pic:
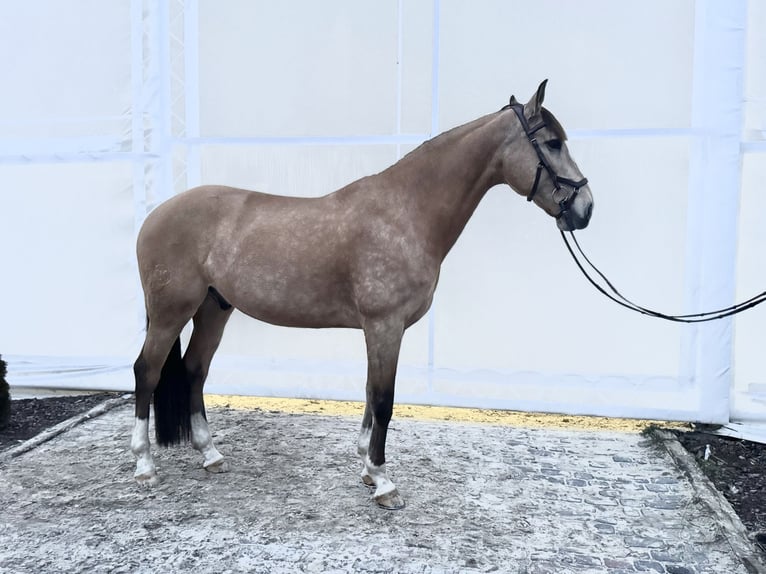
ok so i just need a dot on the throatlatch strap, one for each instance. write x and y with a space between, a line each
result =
537 181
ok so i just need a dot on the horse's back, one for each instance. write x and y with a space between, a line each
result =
200 215
199 205
254 248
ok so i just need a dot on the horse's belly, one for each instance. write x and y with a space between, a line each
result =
301 305
311 318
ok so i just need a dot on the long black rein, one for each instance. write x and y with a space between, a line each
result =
620 299
610 291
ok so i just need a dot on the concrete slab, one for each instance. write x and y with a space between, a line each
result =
480 498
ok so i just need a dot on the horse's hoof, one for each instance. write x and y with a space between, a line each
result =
147 479
217 467
390 500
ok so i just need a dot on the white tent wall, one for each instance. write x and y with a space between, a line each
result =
67 192
119 105
749 390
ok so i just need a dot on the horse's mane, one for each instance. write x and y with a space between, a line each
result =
550 121
449 135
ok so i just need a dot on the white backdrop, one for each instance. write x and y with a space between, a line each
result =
116 106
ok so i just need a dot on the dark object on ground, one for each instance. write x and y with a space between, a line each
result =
737 468
5 396
32 416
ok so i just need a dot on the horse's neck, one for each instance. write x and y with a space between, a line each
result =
442 182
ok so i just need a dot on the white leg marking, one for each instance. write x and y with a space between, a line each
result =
146 472
379 478
364 442
386 494
363 445
203 442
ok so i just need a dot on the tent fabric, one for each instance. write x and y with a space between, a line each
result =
301 98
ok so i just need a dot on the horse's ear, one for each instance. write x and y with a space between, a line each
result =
536 102
513 101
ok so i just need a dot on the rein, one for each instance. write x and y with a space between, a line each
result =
620 299
610 291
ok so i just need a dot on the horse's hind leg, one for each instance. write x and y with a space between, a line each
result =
209 323
383 343
161 346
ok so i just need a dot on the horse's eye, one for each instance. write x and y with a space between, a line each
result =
554 144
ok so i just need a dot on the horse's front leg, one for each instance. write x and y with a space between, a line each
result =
383 343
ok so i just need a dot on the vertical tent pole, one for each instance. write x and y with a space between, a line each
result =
714 185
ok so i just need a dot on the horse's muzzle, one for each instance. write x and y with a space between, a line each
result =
577 216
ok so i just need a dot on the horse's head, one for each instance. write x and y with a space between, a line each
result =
537 164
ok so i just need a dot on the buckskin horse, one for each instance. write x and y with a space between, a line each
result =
366 256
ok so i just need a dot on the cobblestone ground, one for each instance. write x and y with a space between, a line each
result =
480 498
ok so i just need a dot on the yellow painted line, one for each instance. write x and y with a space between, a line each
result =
466 415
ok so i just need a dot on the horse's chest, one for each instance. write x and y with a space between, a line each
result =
395 286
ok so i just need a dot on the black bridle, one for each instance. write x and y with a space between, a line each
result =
609 290
558 182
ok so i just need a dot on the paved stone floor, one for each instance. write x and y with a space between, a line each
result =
480 498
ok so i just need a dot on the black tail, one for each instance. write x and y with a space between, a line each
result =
172 401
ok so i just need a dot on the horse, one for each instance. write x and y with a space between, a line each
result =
366 256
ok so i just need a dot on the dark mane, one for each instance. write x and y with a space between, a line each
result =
553 124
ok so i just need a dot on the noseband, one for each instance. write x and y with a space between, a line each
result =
558 181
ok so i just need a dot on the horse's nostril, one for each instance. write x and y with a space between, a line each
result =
588 211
